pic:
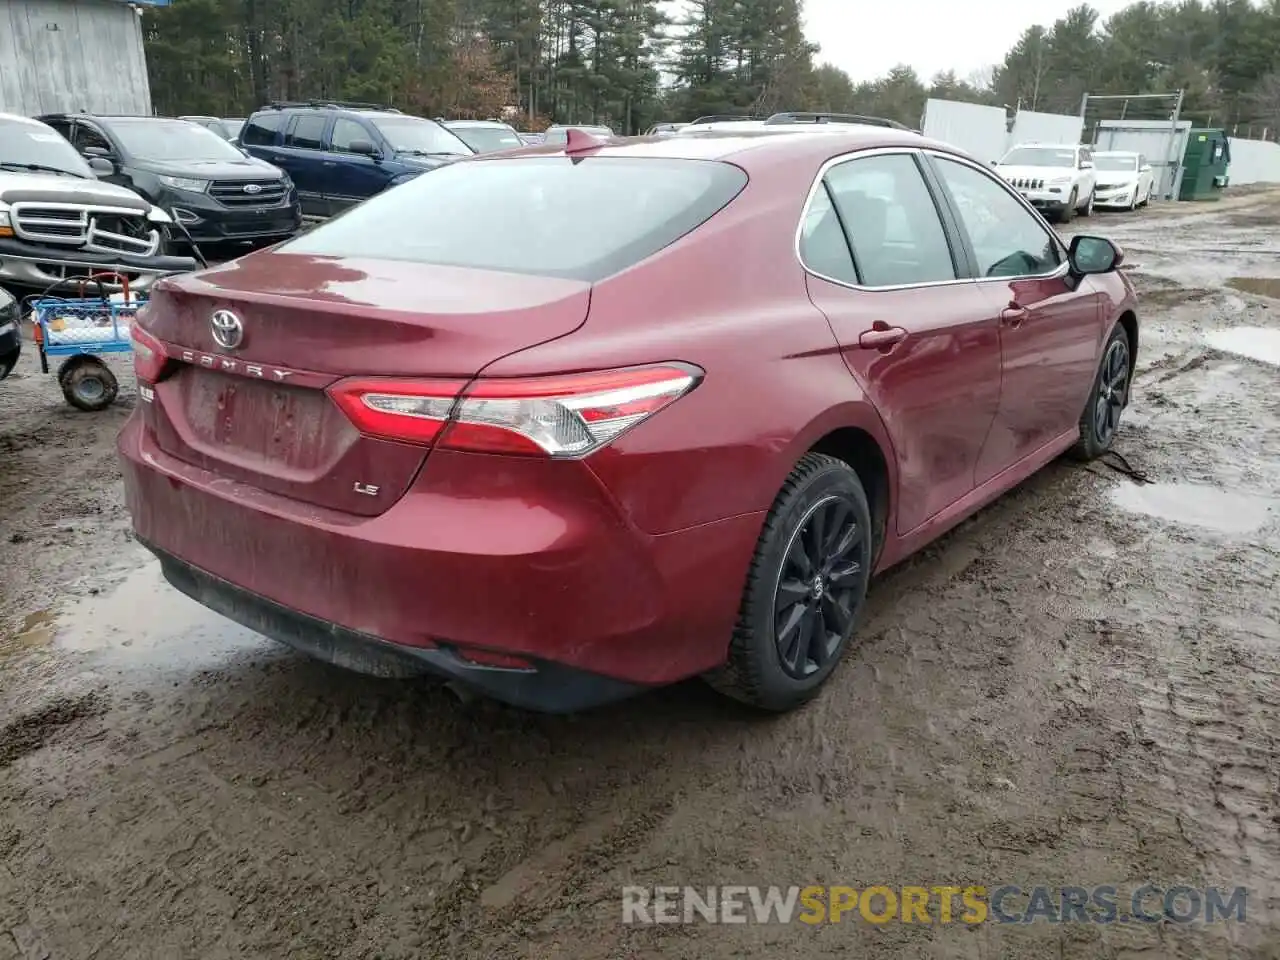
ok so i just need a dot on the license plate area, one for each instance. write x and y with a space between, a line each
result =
272 426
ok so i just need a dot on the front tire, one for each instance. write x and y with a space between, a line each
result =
1069 211
1087 209
8 361
1110 395
805 590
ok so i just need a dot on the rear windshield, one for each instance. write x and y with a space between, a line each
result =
577 218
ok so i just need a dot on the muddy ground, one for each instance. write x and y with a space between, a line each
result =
1079 686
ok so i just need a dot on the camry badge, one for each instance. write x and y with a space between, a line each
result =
228 331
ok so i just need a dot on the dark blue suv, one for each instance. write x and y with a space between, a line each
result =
338 153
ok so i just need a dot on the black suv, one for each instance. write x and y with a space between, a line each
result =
342 153
209 186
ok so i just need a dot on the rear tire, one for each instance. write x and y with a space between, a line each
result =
1100 420
805 589
88 384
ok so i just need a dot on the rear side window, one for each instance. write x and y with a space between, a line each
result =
261 129
577 218
307 132
891 221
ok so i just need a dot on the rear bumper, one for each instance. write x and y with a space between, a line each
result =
546 687
525 558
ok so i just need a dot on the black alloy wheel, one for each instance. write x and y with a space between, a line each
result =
805 588
818 587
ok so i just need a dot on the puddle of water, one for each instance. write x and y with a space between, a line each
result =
1256 343
37 631
1200 506
1263 286
145 619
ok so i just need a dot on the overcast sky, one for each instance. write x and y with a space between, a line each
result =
867 39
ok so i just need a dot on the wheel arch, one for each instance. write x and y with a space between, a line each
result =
854 434
1129 320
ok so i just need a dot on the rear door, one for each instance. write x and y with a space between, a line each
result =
1049 323
351 177
914 330
302 156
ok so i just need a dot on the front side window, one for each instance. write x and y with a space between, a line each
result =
346 132
891 221
547 216
307 132
1007 239
89 138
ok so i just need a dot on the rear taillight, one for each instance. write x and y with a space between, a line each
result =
149 358
562 416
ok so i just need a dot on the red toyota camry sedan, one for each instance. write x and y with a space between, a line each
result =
565 423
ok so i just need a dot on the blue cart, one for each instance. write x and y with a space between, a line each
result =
80 330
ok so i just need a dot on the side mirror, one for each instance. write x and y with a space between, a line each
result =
101 166
1086 164
95 152
364 148
1091 255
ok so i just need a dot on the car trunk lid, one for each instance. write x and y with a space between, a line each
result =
256 411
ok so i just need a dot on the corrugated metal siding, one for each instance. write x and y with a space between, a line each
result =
1254 161
980 131
67 55
1031 126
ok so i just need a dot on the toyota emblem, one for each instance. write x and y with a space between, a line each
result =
252 188
228 331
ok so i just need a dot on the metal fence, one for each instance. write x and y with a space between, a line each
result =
1148 123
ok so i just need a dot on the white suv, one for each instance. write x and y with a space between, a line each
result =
1058 179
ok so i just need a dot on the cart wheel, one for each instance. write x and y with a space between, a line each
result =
88 383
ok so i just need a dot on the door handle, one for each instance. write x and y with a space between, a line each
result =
881 337
1013 315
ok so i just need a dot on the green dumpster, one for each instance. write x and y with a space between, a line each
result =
1204 165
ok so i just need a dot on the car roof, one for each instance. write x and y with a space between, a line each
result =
475 123
784 142
18 118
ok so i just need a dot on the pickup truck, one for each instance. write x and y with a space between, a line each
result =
59 222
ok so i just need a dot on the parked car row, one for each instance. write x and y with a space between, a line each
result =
1063 180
